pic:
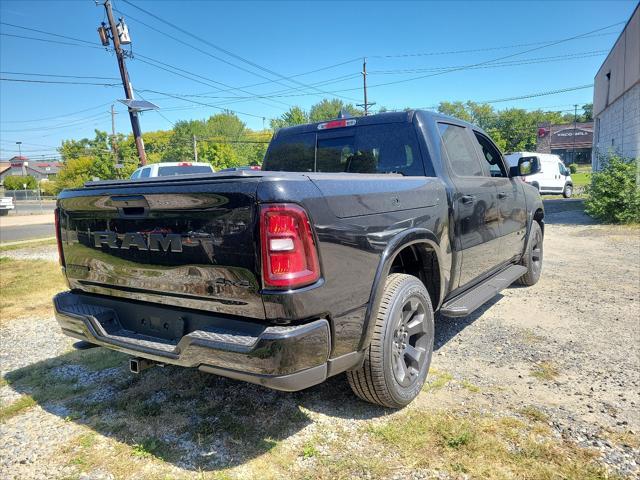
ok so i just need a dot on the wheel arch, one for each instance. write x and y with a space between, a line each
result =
421 242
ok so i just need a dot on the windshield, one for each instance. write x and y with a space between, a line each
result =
386 148
183 170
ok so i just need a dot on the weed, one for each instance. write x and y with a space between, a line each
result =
440 380
470 386
545 371
147 448
17 407
534 414
309 450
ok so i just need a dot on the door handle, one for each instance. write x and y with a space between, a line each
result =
467 199
502 195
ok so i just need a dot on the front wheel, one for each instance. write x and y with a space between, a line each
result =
532 258
568 191
398 358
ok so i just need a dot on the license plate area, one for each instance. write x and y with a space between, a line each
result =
160 327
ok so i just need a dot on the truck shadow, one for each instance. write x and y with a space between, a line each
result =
193 420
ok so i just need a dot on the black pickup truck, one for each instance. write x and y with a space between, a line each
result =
334 258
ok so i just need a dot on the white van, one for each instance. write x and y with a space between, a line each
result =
166 169
553 177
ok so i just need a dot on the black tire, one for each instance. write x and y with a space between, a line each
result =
397 360
533 255
4 212
568 191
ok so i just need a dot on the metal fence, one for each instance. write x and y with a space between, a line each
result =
24 195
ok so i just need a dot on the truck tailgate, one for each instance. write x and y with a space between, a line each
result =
184 243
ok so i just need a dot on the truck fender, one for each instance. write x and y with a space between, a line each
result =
396 244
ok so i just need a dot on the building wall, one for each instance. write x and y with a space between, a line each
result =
616 97
618 127
621 69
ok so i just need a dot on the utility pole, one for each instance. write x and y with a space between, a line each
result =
126 82
195 148
114 146
575 119
366 104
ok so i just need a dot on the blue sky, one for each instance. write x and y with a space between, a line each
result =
400 40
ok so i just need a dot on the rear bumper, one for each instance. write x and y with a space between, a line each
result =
285 358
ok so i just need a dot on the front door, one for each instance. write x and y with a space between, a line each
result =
511 201
475 205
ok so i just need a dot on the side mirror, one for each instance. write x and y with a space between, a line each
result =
526 166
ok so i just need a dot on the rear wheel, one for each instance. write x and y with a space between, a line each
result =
532 258
398 358
4 212
568 191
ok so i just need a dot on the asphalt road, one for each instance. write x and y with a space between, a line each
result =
26 232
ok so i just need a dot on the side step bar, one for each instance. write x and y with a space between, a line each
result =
464 304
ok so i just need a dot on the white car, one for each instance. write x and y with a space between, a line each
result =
553 177
6 204
168 169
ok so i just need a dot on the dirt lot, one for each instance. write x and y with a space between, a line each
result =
543 382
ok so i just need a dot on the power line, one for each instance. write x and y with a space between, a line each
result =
59 76
73 123
229 53
200 103
195 48
487 49
61 82
59 116
46 40
48 33
498 64
466 67
521 97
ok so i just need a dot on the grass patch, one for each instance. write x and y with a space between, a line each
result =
309 450
151 447
581 179
481 446
436 380
27 286
467 385
534 414
15 408
545 371
28 244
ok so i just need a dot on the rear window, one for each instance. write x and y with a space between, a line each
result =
387 148
182 170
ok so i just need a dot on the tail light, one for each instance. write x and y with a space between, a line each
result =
289 255
58 236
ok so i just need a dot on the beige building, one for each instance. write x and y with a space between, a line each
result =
616 97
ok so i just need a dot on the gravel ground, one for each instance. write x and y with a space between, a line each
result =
578 326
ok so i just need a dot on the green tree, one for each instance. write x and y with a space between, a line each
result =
18 182
74 173
294 116
330 109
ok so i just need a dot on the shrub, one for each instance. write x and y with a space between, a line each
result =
573 168
17 182
613 195
48 188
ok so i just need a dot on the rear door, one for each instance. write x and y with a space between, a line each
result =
187 243
475 205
